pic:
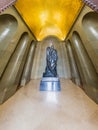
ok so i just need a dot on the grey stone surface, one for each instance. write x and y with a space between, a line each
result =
50 84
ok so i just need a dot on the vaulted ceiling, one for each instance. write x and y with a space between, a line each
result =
49 17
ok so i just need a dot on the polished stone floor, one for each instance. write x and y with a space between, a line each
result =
30 109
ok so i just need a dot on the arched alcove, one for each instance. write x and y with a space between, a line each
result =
86 68
79 53
73 66
76 39
47 42
63 68
90 25
8 27
24 37
51 40
4 59
12 74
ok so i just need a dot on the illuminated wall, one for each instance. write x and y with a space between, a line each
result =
49 17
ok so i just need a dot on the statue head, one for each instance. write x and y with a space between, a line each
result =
52 46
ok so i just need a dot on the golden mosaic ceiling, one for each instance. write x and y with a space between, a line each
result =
49 17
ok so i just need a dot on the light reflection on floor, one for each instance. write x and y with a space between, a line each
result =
52 97
31 109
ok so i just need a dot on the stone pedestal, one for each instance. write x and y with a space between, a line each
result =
50 84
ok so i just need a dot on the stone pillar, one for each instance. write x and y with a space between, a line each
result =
28 66
87 71
11 77
74 71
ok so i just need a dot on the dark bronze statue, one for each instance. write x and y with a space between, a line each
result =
51 62
50 80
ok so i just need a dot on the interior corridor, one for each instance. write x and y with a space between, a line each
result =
30 109
27 29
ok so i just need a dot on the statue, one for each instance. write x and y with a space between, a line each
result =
50 80
51 62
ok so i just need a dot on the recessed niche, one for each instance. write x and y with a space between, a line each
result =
68 41
24 38
78 45
76 39
51 40
90 25
8 27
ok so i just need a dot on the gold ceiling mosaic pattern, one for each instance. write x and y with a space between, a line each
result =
49 17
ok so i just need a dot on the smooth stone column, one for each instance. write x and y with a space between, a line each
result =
88 73
74 71
28 66
12 74
8 28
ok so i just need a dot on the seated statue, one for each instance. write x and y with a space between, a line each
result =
51 62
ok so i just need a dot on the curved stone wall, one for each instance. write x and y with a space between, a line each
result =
15 40
73 66
8 28
86 68
13 71
90 24
26 76
84 41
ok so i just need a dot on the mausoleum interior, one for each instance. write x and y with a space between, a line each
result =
27 28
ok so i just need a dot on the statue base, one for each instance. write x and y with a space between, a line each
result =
50 84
